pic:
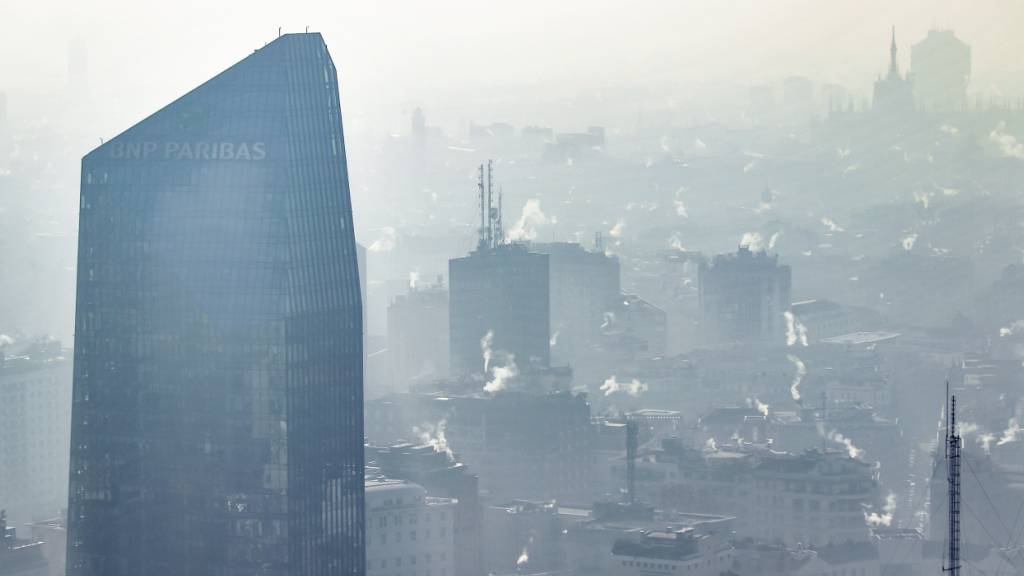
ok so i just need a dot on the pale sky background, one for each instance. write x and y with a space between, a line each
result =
393 55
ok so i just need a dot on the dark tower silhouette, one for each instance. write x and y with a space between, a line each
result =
217 422
953 469
894 67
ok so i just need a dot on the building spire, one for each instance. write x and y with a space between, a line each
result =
893 66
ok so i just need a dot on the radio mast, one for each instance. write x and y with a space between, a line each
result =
953 488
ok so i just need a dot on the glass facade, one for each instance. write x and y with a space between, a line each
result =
217 423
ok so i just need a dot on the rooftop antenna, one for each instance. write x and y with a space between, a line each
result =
307 29
598 242
953 488
482 240
490 205
278 31
500 224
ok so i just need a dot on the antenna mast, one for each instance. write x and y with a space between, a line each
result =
482 240
953 487
490 205
499 225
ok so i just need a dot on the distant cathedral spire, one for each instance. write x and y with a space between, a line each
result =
893 66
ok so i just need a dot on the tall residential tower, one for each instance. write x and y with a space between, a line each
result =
217 420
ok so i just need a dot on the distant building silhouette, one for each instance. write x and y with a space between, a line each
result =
941 67
499 294
894 93
418 336
217 420
585 285
743 297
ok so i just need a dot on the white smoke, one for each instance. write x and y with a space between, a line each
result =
801 371
985 441
414 279
752 241
885 518
710 445
501 375
607 319
524 558
386 242
679 204
433 435
1008 144
761 407
618 229
676 244
531 218
773 239
838 438
699 144
1011 433
6 340
908 242
634 387
966 428
553 341
485 347
923 198
1012 330
831 225
795 330
951 130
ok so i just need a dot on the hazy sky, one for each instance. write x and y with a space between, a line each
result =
393 55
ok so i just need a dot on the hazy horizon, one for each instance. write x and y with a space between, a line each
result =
458 62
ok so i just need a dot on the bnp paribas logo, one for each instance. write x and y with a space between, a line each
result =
200 150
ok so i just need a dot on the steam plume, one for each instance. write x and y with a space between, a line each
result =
634 387
801 371
795 330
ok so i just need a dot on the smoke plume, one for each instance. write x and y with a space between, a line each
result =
386 242
433 435
795 330
801 371
531 218
634 387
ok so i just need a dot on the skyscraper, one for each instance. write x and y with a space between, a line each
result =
217 415
941 65
499 307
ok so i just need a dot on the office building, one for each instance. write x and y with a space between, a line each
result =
20 557
418 336
744 296
499 302
436 469
814 498
584 286
217 423
941 66
35 412
408 533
